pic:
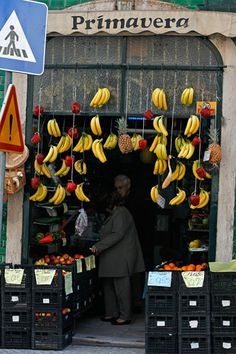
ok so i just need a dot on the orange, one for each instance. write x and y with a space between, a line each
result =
167 267
204 265
171 265
191 267
198 267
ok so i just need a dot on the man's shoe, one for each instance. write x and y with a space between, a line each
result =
120 323
108 319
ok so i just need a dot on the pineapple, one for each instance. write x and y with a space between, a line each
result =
214 147
124 140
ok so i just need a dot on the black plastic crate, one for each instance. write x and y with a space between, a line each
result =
58 279
12 298
51 298
51 318
16 317
16 338
174 283
194 303
197 290
26 279
223 344
160 344
161 323
161 303
56 340
223 302
223 282
82 303
194 324
194 344
223 323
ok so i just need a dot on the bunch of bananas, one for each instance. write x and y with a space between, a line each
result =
159 98
159 126
192 126
160 167
42 169
80 193
101 97
179 198
59 195
84 144
161 152
80 167
187 96
64 143
196 164
179 142
51 155
204 199
179 171
159 139
154 193
135 139
53 128
187 150
97 150
40 193
64 169
95 125
111 142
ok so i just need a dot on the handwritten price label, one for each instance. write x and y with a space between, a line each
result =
88 263
160 279
68 283
44 276
193 279
14 276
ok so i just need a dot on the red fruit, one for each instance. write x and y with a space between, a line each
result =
142 144
35 182
195 199
201 172
40 158
74 132
69 160
38 111
148 114
205 111
196 141
75 107
36 138
71 186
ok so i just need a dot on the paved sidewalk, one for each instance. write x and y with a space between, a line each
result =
75 349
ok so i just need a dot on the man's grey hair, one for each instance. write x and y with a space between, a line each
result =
123 179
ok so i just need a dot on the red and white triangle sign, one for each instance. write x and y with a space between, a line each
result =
11 138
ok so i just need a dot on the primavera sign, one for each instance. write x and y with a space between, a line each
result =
72 21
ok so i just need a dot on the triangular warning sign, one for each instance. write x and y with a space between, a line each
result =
14 44
11 138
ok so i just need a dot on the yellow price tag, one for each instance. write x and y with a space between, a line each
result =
44 276
14 276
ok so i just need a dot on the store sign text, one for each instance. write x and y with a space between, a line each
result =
101 23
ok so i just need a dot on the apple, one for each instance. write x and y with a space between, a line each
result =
36 138
75 107
69 160
71 187
38 111
148 115
142 144
201 172
35 182
194 199
205 111
196 141
73 132
40 158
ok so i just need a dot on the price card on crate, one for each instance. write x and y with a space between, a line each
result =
79 268
88 263
92 261
193 279
14 276
68 283
159 279
44 276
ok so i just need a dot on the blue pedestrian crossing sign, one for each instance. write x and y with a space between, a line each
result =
23 27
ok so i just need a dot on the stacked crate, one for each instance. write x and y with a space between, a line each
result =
194 317
223 312
16 307
161 318
52 316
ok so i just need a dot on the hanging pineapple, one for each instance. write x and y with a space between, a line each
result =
124 140
214 147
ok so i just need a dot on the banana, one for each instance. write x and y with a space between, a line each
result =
111 141
187 96
176 172
49 128
160 100
191 151
195 125
168 178
179 198
54 128
60 143
164 102
99 151
208 175
184 96
195 166
42 195
179 142
182 171
56 194
158 151
154 193
187 150
38 192
82 143
190 96
155 95
98 125
89 142
156 167
38 168
135 141
61 196
164 152
162 126
154 143
188 126
62 169
49 154
204 200
96 98
54 155
156 124
46 171
80 193
81 167
67 143
95 125
162 139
